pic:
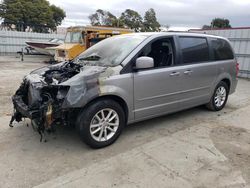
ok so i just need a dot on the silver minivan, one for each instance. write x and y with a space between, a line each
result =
126 79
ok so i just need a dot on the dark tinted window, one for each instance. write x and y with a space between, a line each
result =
194 49
221 49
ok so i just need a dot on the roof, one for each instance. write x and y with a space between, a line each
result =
174 34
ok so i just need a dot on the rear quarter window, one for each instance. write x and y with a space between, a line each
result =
194 49
221 49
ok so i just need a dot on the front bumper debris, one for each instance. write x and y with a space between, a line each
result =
41 119
31 102
23 109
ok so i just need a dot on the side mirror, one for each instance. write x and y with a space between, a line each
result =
144 63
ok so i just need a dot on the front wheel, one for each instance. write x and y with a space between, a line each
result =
101 123
219 98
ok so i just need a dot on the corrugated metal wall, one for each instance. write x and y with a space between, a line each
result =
13 41
240 39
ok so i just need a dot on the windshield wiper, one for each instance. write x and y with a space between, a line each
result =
90 58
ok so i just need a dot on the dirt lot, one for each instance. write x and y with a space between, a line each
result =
193 148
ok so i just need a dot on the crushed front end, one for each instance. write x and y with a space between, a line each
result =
41 97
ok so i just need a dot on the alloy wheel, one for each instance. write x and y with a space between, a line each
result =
104 125
220 96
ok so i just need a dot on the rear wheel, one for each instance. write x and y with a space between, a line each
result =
219 98
101 123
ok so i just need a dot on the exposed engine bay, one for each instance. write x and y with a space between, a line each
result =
60 74
51 95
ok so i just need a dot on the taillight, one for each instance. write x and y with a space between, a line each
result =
237 68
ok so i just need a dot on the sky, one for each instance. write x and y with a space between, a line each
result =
174 13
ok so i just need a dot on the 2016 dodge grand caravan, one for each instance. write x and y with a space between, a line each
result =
126 79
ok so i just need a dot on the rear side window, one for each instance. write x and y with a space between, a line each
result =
194 49
221 49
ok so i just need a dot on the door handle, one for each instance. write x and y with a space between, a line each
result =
188 72
175 74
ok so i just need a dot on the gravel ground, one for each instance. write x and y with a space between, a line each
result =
193 148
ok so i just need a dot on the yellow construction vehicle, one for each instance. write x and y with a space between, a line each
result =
80 38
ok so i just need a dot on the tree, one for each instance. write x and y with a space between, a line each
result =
131 19
206 27
102 17
128 19
220 23
58 16
150 21
37 15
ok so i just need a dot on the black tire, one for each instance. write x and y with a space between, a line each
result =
85 117
211 105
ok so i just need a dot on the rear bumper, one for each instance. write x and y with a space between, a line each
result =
23 109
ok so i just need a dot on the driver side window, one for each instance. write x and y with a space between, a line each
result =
161 51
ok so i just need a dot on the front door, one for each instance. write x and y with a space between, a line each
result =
157 91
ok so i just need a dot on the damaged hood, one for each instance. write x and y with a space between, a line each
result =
82 82
60 74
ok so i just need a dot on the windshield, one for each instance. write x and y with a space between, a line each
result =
73 37
111 51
